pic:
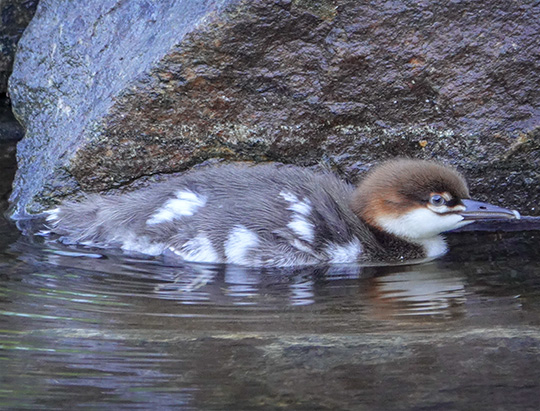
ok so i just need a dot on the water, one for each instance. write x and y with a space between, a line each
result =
79 328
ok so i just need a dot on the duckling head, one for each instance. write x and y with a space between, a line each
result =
417 200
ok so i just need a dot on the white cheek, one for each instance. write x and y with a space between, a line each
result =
420 224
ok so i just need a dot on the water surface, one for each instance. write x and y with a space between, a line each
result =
80 328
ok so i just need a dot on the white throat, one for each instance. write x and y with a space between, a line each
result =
433 247
423 227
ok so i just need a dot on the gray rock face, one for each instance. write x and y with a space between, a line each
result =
111 91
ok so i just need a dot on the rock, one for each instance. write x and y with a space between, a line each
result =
15 16
113 91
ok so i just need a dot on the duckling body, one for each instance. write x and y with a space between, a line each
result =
275 215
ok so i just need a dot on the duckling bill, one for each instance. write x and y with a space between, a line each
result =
272 215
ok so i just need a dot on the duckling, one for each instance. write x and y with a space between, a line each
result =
272 215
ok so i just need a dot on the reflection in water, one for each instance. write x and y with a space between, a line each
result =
85 328
408 289
424 290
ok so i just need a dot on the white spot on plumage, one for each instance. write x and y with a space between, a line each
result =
139 244
198 249
303 228
301 210
302 246
186 203
53 215
290 197
238 244
302 207
344 253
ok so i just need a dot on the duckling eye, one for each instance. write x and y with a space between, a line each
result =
437 200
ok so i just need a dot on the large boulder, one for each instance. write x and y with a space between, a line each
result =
112 91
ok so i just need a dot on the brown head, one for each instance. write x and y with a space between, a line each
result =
416 200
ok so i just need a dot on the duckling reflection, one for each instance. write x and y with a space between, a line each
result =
379 291
390 291
247 285
425 289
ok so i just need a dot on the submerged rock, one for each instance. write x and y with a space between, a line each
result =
113 91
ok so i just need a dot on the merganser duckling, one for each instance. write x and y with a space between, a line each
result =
273 215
